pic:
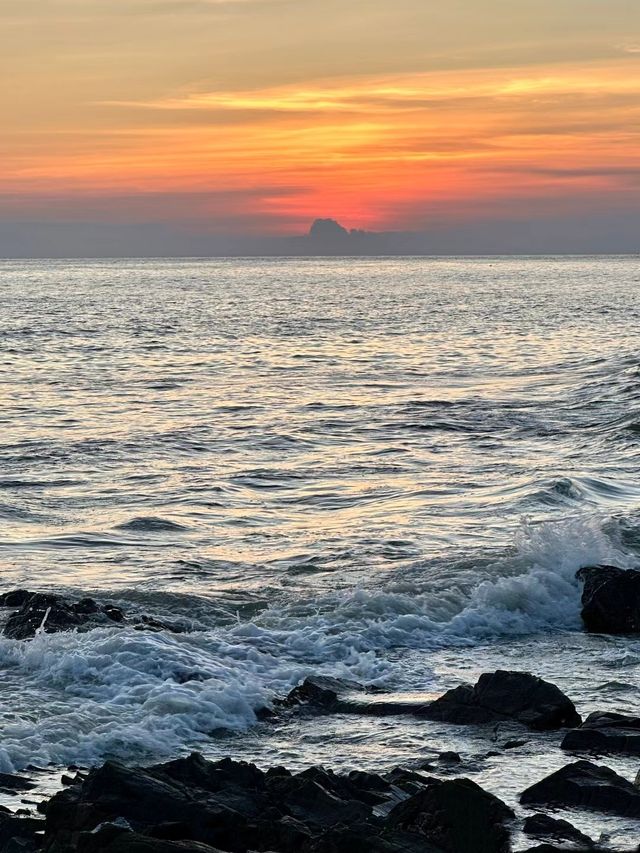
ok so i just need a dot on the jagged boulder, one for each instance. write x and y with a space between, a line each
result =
546 828
586 786
191 804
506 695
610 599
456 816
603 733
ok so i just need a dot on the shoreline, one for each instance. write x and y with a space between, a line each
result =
506 717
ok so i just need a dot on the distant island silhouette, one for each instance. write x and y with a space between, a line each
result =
328 236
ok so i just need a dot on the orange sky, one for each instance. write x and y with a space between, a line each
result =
258 115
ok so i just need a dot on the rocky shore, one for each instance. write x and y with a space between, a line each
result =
193 805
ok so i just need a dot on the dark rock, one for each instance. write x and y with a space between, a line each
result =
20 833
497 697
54 613
456 816
610 600
9 782
450 757
603 733
551 829
551 848
322 693
15 598
514 744
150 623
114 840
587 786
407 780
191 805
504 695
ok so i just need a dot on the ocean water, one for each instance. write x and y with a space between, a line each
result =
388 469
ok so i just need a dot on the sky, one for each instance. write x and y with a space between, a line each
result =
213 126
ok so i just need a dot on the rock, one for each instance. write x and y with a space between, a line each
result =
9 782
456 816
603 733
150 623
407 780
327 695
547 828
515 744
110 839
551 848
450 757
19 833
610 600
191 804
323 693
15 598
226 804
504 695
586 786
54 613
497 697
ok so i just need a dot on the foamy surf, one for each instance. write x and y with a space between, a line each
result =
82 697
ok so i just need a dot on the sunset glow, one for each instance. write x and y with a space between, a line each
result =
201 139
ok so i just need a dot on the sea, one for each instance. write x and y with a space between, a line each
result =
386 469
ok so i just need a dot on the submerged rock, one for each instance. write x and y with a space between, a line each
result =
610 599
604 732
586 786
54 613
505 695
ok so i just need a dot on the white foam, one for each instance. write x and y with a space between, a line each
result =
132 695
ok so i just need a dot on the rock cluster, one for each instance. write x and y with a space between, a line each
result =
502 696
198 806
50 613
195 805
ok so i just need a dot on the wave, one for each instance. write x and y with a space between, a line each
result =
131 695
151 524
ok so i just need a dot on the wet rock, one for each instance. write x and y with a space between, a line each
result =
15 598
113 839
551 848
19 833
450 757
198 805
456 816
150 623
54 613
505 695
323 693
515 744
407 780
497 697
603 733
586 786
546 828
15 784
610 600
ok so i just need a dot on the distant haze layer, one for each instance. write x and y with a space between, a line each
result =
228 126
